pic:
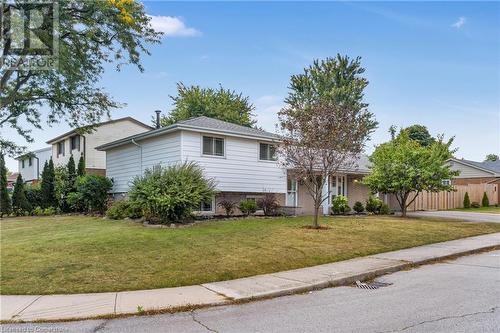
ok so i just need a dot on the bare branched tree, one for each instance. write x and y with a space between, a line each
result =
319 140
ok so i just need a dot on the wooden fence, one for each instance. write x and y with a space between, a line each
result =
449 200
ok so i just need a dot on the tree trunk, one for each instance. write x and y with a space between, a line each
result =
316 217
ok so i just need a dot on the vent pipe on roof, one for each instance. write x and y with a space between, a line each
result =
158 118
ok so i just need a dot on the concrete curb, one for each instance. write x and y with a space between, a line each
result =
25 308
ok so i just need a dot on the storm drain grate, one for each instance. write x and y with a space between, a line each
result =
371 285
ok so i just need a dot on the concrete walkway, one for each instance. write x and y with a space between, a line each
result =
458 215
54 307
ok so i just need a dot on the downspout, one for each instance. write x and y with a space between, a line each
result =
84 151
140 147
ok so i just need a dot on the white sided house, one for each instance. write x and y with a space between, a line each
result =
241 160
79 143
30 165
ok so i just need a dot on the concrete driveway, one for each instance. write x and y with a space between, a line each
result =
457 215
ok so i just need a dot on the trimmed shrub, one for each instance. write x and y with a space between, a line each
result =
48 185
466 200
384 209
228 206
269 204
339 205
34 195
39 211
485 202
358 207
475 205
119 210
248 206
20 205
170 194
373 205
91 194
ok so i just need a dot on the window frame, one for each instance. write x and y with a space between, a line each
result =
60 151
212 208
29 162
296 192
22 163
77 140
269 145
214 139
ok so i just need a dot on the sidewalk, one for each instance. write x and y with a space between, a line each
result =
55 307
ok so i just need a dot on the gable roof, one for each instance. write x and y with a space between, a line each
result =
199 124
488 166
31 153
75 131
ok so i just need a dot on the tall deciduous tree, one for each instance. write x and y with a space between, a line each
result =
404 168
20 204
491 157
222 104
421 134
5 203
325 124
90 35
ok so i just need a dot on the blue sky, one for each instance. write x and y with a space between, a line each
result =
437 64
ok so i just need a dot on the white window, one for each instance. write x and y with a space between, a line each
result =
291 193
22 163
213 146
207 206
29 161
338 185
75 142
60 148
267 152
446 182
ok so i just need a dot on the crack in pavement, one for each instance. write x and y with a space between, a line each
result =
200 323
491 310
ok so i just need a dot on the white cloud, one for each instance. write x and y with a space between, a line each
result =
172 26
459 23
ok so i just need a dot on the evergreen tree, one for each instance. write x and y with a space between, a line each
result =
5 204
20 204
81 166
485 202
71 173
48 185
466 200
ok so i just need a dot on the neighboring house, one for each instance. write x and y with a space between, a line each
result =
31 164
472 172
78 143
242 161
11 180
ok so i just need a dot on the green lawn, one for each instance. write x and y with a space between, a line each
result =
72 254
490 209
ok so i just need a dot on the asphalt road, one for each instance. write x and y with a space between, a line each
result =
458 215
454 296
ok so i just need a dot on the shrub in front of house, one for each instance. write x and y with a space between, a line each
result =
228 206
373 205
122 209
34 196
475 205
384 209
39 211
248 207
485 202
269 204
170 194
91 194
358 207
466 200
339 205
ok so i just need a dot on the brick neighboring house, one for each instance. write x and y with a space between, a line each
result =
472 172
11 179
